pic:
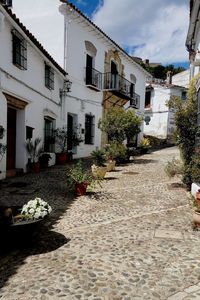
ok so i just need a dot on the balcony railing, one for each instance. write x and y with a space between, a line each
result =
93 79
121 87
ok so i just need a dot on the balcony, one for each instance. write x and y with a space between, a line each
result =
122 88
93 79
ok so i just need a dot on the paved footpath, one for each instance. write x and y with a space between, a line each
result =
132 239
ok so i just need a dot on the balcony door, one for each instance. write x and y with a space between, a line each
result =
89 66
114 73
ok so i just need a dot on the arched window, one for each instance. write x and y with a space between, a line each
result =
90 55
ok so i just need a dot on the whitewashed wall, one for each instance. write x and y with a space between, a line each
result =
29 86
79 31
162 120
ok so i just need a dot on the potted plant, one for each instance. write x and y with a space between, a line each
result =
44 160
61 142
34 150
144 145
110 155
117 152
79 178
99 168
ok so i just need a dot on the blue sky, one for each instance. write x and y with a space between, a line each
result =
155 30
89 7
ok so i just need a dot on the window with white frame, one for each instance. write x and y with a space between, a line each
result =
49 77
19 50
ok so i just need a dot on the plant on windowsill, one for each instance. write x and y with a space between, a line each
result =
78 179
34 150
61 142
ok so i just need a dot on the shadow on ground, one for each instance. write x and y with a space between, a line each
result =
15 249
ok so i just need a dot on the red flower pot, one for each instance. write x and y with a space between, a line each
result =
35 167
61 158
81 188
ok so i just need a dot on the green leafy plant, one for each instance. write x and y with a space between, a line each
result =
98 157
116 151
78 174
174 167
119 124
187 130
34 149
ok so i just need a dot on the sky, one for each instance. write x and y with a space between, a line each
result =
150 29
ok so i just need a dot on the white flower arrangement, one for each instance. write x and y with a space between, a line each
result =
36 209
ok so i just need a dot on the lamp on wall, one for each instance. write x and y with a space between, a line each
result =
66 88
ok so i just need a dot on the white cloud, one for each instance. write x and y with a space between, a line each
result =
43 19
154 29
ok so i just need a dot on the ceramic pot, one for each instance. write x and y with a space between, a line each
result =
110 165
196 217
81 188
99 172
197 197
61 158
35 167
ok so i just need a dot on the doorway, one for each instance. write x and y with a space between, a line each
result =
114 73
11 138
70 126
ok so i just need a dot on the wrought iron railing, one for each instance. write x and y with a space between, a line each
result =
122 86
93 78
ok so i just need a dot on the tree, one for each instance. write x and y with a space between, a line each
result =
186 128
120 124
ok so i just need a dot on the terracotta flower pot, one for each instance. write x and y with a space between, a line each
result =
35 167
99 172
81 188
196 217
61 158
197 197
110 165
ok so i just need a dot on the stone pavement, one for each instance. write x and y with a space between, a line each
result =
131 239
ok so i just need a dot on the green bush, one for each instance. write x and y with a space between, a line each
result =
99 157
117 151
174 167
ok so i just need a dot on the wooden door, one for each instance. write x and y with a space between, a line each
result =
69 132
11 138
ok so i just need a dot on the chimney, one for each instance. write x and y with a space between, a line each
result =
169 77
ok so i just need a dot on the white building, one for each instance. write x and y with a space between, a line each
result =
159 118
102 74
30 85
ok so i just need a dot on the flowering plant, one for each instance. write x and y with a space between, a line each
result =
36 209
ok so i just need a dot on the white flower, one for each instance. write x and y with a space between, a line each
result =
37 208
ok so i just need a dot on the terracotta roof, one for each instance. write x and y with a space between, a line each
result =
33 39
100 30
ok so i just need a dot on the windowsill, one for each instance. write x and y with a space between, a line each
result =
20 67
49 88
93 87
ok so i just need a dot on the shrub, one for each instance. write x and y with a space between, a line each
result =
174 167
99 157
117 151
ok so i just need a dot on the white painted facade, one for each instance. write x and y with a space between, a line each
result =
27 86
83 100
161 123
182 79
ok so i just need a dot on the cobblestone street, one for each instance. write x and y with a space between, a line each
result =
131 239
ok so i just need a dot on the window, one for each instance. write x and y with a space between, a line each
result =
49 140
19 48
148 99
89 129
49 77
184 95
